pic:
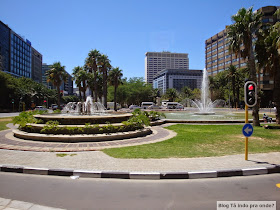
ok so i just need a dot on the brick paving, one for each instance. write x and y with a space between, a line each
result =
8 141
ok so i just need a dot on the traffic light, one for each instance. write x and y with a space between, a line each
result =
250 93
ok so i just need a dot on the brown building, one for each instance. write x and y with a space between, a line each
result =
217 55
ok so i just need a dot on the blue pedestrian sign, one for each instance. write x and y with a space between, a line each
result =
247 130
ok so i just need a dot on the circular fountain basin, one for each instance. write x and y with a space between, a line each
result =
218 115
83 119
204 113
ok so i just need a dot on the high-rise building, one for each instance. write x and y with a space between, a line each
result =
66 87
17 57
4 47
36 66
217 55
45 68
177 79
157 61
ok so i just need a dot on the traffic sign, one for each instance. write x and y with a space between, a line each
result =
247 130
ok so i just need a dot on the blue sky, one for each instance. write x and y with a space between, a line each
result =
66 30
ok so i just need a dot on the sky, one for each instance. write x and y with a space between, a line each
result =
66 30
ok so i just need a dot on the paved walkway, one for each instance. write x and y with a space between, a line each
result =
8 141
99 161
8 204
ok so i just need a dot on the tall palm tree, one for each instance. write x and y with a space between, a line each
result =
77 81
232 76
57 75
115 76
104 67
171 94
91 62
82 78
268 54
241 32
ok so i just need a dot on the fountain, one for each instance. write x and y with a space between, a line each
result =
84 108
205 105
82 121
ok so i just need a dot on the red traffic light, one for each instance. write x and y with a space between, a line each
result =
45 101
250 93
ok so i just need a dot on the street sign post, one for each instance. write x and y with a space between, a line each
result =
250 98
247 130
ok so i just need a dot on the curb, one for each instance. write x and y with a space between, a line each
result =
80 138
141 175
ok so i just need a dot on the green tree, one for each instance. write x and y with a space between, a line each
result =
104 68
56 75
268 55
232 76
241 32
186 92
171 94
115 76
92 63
77 81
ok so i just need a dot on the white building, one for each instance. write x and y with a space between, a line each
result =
177 78
157 61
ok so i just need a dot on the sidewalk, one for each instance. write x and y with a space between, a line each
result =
97 163
9 204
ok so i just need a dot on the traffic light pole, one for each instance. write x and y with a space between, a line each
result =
246 138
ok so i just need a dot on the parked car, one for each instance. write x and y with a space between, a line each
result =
54 106
41 108
154 107
134 107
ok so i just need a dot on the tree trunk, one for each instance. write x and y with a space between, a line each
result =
80 94
233 92
115 97
105 87
58 96
252 67
95 83
276 92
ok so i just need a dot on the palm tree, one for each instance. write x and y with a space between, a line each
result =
232 76
268 54
104 67
82 77
115 76
171 94
77 81
91 62
241 32
56 75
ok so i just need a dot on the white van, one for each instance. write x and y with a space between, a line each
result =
174 105
110 106
145 105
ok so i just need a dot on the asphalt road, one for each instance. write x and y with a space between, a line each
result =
64 192
12 114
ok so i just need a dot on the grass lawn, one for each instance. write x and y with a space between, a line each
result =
203 141
4 122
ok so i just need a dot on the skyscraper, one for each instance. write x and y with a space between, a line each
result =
17 56
217 55
157 61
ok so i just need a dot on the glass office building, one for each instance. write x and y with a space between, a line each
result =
20 57
4 47
17 57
